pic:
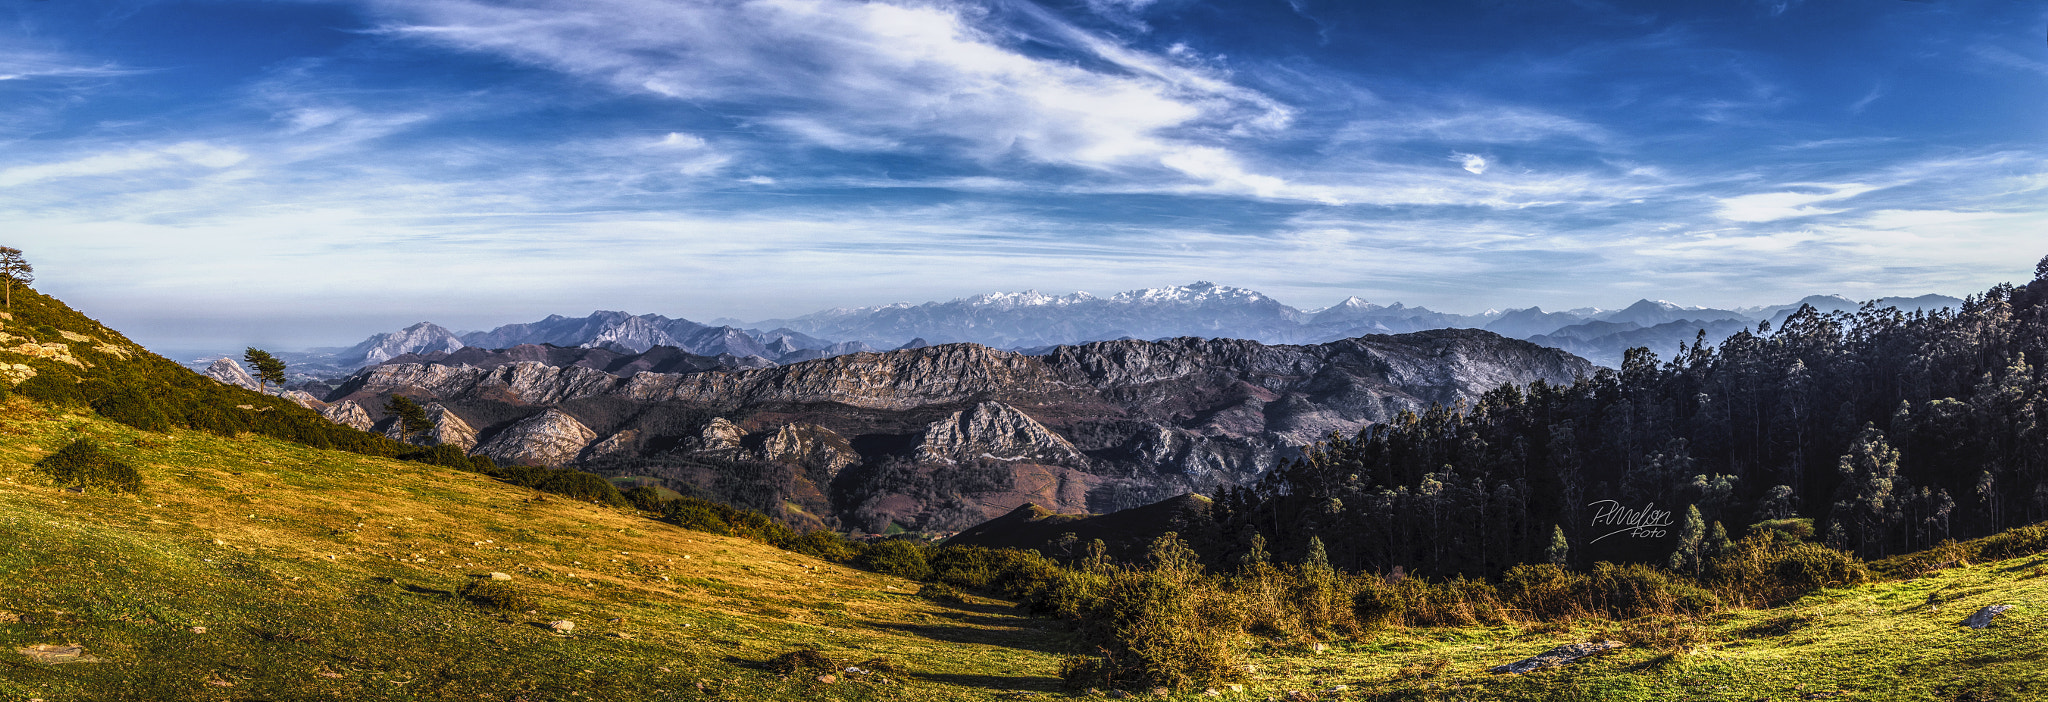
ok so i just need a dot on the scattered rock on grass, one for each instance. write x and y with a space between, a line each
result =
562 626
1984 616
500 576
53 653
1556 656
828 678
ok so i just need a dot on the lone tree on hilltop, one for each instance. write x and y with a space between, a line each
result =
411 417
16 270
268 368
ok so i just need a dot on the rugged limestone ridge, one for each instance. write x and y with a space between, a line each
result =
995 431
933 438
551 438
304 399
228 372
348 413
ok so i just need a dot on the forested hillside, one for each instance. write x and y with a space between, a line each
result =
1891 431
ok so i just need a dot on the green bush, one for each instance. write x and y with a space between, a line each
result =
645 498
1378 605
1149 630
573 484
1638 590
2012 543
82 464
1762 570
444 455
824 545
896 557
941 593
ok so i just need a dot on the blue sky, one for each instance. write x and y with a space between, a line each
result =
303 173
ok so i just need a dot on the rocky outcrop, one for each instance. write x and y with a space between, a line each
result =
228 372
810 446
348 413
720 434
1984 616
994 431
444 427
304 399
1174 450
1557 656
551 438
624 444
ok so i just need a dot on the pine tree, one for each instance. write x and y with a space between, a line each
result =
411 418
1686 558
1560 549
268 368
1717 542
14 269
1318 560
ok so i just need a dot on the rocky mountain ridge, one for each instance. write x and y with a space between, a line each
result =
937 437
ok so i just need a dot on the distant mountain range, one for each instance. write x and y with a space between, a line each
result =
1034 322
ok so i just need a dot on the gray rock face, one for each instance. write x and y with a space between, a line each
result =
993 430
228 372
551 438
810 446
348 413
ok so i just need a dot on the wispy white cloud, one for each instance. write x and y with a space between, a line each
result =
1474 163
186 154
875 76
1773 206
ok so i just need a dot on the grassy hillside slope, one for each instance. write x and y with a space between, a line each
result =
328 575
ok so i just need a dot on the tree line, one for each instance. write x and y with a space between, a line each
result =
1890 431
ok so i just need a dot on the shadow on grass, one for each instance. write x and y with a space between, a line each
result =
1034 683
1004 631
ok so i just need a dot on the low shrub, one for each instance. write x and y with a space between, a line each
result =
941 593
444 455
81 463
1761 570
1638 590
825 545
1149 631
573 484
897 557
1545 592
2012 543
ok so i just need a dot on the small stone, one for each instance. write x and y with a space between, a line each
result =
1338 688
52 654
828 678
1984 616
562 626
500 576
1161 692
1234 688
1319 647
198 630
622 634
1211 692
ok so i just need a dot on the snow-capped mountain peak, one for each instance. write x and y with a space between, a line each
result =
1193 293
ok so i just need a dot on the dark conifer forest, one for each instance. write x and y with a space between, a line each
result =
1889 431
